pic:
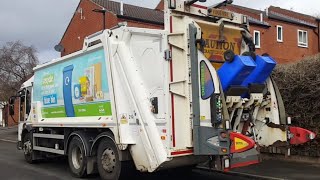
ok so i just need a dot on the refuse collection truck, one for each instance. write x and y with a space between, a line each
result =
157 98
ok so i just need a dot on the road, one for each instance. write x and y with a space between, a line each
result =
13 167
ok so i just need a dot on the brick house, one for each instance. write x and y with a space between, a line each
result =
85 22
285 35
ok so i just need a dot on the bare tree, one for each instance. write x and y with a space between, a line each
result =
16 66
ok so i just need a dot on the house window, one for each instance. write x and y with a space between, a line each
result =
256 38
302 38
279 34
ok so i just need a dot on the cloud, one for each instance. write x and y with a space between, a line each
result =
35 22
47 55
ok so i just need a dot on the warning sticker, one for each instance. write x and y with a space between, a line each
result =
216 42
123 119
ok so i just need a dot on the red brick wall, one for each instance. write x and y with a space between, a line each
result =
292 14
8 120
90 23
79 28
241 11
160 6
4 115
288 50
263 38
140 24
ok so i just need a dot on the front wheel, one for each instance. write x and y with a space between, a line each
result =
109 165
27 148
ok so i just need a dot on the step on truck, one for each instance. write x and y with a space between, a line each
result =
193 93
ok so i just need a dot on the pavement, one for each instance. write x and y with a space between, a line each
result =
13 166
9 134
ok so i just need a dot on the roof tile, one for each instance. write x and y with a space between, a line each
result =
286 18
132 11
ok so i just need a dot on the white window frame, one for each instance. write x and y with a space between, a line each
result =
254 39
300 43
279 27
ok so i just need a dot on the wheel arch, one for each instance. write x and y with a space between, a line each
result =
107 134
85 139
26 129
124 155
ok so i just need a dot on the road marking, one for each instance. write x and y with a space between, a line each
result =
8 140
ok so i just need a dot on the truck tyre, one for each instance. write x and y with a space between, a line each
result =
27 148
76 157
109 165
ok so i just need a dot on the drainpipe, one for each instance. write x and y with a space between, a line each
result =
121 8
318 21
267 11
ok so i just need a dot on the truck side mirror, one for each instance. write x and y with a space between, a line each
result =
11 109
11 105
11 100
206 81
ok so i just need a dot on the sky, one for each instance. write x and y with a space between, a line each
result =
41 23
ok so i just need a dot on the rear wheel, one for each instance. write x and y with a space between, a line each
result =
109 165
27 148
76 158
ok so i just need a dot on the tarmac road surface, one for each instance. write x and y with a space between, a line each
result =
13 167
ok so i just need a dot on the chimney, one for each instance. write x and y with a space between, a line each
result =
121 8
261 17
267 12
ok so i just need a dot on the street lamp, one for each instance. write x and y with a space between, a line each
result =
103 11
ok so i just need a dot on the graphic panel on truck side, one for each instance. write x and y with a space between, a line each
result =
74 88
